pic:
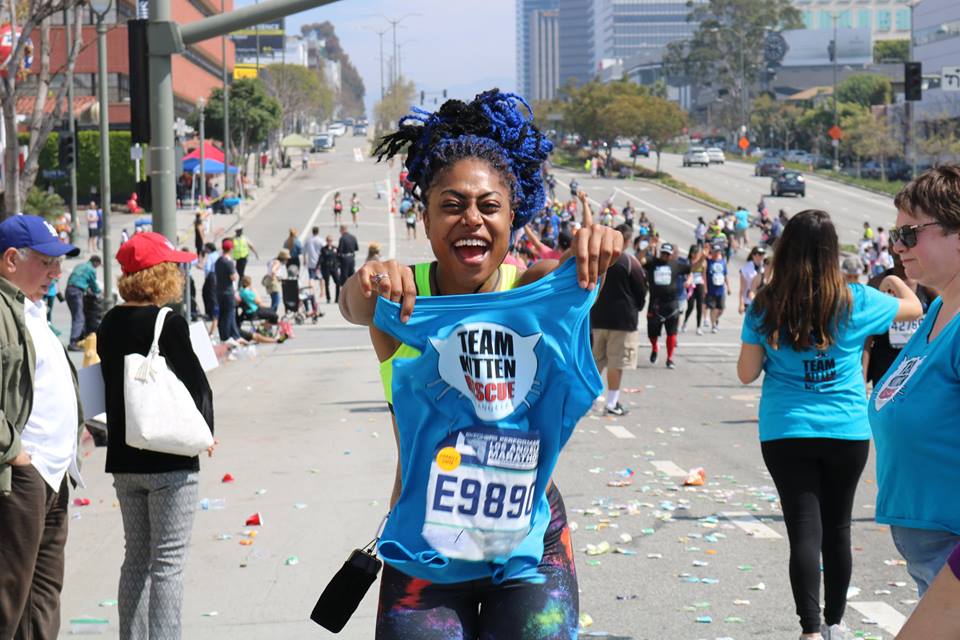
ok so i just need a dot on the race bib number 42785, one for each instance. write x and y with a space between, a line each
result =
480 492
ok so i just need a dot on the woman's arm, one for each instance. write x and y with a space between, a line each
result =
865 358
744 293
910 307
750 363
937 617
358 298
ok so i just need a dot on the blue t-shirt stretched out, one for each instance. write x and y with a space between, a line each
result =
913 413
821 394
482 415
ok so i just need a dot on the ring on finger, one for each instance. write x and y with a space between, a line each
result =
377 277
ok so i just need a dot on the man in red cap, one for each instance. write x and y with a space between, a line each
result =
226 274
40 425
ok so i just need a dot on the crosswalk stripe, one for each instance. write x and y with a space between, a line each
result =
669 467
619 432
751 525
886 617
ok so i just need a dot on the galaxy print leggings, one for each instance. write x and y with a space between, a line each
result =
414 609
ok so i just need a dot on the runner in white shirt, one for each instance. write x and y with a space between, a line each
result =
748 272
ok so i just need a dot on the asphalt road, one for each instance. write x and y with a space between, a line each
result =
735 183
307 437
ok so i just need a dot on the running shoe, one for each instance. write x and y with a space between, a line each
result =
670 365
836 632
617 410
714 329
683 329
699 331
653 357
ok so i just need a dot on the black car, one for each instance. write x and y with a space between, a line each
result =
768 167
788 182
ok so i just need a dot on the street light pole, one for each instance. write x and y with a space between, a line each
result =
201 104
743 95
226 110
100 9
911 131
836 54
68 21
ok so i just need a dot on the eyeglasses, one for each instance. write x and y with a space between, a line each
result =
48 262
908 234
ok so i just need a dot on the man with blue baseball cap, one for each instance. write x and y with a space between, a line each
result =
40 425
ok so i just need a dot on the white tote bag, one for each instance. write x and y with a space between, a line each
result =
161 414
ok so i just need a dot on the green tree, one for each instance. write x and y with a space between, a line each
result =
46 204
585 103
866 89
301 92
776 120
352 91
728 44
884 143
891 51
254 115
626 117
395 104
662 122
857 128
939 139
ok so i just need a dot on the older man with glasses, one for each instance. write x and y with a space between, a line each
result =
40 424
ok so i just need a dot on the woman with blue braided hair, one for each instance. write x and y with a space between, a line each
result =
477 543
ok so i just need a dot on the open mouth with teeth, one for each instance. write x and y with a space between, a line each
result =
471 250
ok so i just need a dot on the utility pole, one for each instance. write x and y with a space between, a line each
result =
226 110
743 93
380 33
68 18
911 133
100 9
836 54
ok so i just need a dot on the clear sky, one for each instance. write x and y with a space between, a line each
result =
463 46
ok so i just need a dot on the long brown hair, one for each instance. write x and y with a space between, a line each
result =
807 297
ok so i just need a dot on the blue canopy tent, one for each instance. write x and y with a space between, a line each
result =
209 165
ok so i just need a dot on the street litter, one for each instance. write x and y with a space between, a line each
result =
224 536
211 614
742 603
291 561
88 626
227 478
585 620
255 520
758 587
299 505
704 619
107 603
81 502
695 477
212 504
598 549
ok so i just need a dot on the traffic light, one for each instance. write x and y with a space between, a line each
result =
444 94
67 152
913 81
139 81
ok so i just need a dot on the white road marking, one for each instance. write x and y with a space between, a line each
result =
618 431
357 154
669 467
751 525
656 208
392 246
886 617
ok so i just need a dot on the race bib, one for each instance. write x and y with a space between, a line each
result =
480 492
718 278
662 275
897 381
901 332
697 278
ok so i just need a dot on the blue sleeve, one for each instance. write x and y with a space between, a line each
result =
750 334
386 317
873 311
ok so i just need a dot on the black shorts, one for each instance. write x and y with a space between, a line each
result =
661 317
412 225
717 302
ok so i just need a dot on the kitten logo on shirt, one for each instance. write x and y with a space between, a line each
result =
897 381
490 364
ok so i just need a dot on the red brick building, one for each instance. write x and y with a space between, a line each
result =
195 73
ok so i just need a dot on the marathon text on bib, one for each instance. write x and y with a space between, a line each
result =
490 364
480 495
663 275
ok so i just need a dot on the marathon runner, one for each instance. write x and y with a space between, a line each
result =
477 168
748 272
698 270
337 208
355 209
718 284
664 308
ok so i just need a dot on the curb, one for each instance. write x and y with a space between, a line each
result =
678 192
822 176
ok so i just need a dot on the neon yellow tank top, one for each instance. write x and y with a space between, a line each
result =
509 276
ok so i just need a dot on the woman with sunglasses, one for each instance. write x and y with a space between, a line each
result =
914 408
805 330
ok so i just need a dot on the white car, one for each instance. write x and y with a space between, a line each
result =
696 155
337 129
798 155
716 155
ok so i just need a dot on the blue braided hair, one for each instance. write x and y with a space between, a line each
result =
491 127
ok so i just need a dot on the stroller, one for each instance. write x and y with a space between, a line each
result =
296 301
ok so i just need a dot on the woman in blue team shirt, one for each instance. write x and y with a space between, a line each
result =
914 407
805 330
477 168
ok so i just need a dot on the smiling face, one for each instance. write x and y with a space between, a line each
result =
468 221
935 260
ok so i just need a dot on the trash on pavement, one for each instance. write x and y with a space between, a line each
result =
81 502
291 561
585 620
87 626
758 587
227 478
107 603
212 504
255 520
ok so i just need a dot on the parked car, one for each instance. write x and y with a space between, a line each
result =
788 182
696 155
716 155
799 156
323 142
359 129
642 149
337 129
768 166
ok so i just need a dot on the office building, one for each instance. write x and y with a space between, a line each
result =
936 45
576 31
887 19
526 9
544 55
628 29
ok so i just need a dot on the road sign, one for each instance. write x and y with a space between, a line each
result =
835 132
136 152
744 143
950 79
53 174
